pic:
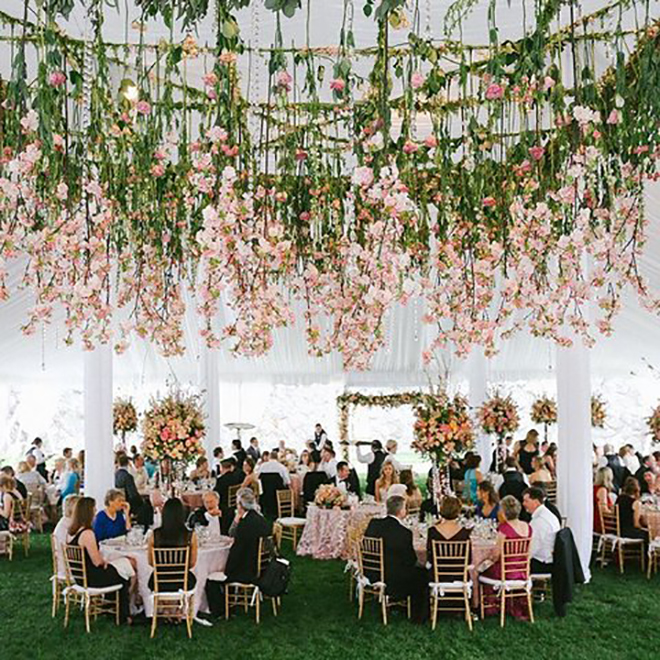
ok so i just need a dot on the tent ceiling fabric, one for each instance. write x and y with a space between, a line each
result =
400 362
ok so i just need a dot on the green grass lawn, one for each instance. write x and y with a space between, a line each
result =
613 617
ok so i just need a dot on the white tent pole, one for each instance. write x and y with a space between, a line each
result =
478 383
210 383
99 460
574 462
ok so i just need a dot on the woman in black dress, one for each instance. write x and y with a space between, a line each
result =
630 511
447 529
99 572
173 533
529 451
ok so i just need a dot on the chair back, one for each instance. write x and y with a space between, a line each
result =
54 551
371 563
450 559
270 484
516 558
551 491
74 564
171 569
311 483
653 523
265 553
37 494
21 509
232 494
284 503
609 520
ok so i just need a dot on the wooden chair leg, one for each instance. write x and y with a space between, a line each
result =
66 610
481 602
468 613
227 602
154 619
621 559
384 609
87 623
434 613
189 617
258 608
531 610
409 607
641 556
56 596
502 607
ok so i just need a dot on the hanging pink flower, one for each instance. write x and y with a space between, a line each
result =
210 79
489 202
410 147
284 80
143 107
431 142
494 92
56 79
337 85
613 117
363 176
536 152
417 80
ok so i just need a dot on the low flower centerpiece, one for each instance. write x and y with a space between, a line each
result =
598 413
544 411
499 416
124 418
443 428
173 430
329 497
654 424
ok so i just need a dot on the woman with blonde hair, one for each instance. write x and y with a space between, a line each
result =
603 489
388 477
541 472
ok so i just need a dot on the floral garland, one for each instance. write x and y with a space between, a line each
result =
499 415
443 427
173 428
598 412
653 423
329 497
124 417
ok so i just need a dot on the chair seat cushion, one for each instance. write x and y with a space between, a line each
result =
174 595
456 586
541 576
218 576
508 584
292 521
95 591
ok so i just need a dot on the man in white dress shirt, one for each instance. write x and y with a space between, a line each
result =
271 465
329 462
140 475
544 530
209 515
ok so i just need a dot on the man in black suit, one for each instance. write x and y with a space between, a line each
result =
374 460
514 482
253 450
618 467
402 574
347 479
248 527
239 453
229 476
124 480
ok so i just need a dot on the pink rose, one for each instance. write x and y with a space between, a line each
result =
417 80
613 117
143 107
536 152
489 201
284 81
494 92
56 79
431 142
210 79
409 147
337 85
157 170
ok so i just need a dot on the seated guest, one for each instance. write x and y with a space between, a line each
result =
6 502
447 528
218 457
124 480
173 533
388 476
314 478
303 463
61 530
251 479
8 470
541 473
71 479
546 502
67 453
472 478
248 527
514 482
201 470
115 519
510 527
603 489
253 450
329 462
347 480
545 527
140 475
59 468
272 465
413 493
374 460
402 574
239 453
488 502
99 572
630 511
550 460
209 514
28 475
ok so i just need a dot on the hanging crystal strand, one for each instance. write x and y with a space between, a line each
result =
427 27
254 94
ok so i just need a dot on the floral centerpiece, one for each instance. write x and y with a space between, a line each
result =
544 411
443 426
598 413
174 428
124 417
654 424
329 497
499 416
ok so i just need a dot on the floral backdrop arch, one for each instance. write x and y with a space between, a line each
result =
482 178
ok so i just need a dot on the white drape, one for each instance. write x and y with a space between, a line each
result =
574 464
99 461
210 384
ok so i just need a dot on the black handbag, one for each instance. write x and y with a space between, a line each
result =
275 578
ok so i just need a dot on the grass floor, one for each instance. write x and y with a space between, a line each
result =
613 617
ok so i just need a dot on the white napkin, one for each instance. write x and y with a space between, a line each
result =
124 567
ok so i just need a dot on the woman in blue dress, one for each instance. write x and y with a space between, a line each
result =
489 503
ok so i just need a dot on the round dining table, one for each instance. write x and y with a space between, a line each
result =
211 557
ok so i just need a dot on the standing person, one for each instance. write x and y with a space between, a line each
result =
529 451
616 464
140 475
124 480
472 478
239 453
218 457
253 450
320 437
374 460
391 448
329 462
36 450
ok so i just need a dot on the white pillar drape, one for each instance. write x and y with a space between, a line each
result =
478 383
99 459
574 465
210 384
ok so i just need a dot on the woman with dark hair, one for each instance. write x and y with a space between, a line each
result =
99 572
528 451
472 478
630 511
173 533
251 478
413 493
488 505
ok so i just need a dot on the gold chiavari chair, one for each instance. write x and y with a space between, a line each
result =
171 596
93 600
551 491
612 542
241 594
290 525
515 581
7 544
653 524
232 494
58 579
37 511
451 583
371 578
21 515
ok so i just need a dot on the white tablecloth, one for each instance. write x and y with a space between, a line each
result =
211 557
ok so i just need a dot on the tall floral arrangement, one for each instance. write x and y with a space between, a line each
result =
544 411
124 417
598 412
499 416
653 423
174 428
